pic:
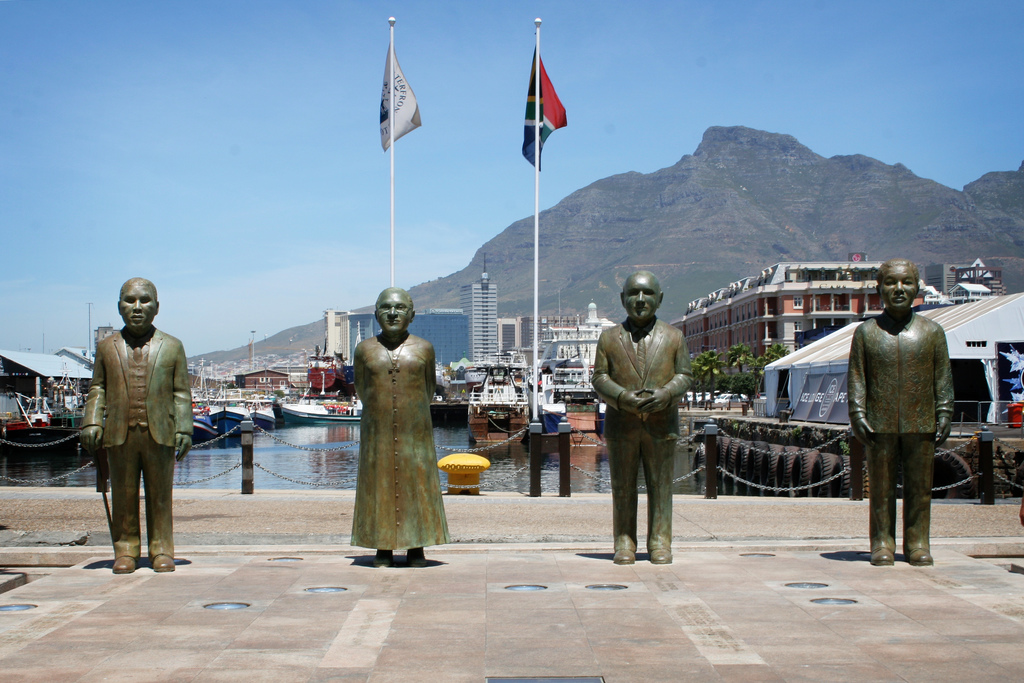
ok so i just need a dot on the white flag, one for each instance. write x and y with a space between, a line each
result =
407 113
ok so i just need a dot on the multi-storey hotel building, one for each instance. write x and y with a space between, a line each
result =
788 303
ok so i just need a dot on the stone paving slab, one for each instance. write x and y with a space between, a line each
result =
716 614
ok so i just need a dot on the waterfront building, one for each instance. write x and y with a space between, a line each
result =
447 329
480 302
979 274
941 276
964 292
789 303
263 380
102 333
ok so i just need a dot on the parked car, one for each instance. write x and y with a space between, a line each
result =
726 399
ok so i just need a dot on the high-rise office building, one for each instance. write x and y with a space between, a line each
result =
447 329
480 303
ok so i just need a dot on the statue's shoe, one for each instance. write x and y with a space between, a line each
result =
124 565
162 563
882 557
624 557
415 557
384 558
661 556
920 557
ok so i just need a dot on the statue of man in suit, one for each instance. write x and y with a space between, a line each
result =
140 385
901 400
641 369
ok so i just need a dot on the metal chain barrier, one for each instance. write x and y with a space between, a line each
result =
326 482
48 444
951 486
608 482
841 435
303 448
481 449
207 444
210 478
49 479
1011 483
779 489
495 480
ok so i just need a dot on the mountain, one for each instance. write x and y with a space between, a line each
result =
744 200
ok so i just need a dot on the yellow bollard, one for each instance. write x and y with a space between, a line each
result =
463 472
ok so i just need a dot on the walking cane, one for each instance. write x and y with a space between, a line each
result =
102 475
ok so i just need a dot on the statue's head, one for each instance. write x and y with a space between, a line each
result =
898 285
641 296
138 305
394 312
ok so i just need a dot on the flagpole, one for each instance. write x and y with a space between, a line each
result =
536 226
391 145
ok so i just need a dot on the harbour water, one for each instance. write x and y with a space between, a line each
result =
333 465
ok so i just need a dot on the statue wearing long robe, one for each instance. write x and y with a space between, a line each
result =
398 490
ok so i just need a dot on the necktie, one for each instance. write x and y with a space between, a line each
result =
641 352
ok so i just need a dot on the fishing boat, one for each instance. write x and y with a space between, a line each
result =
329 375
34 426
261 412
322 412
203 428
499 407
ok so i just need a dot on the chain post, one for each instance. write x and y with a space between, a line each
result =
987 489
247 472
711 459
536 430
856 469
564 471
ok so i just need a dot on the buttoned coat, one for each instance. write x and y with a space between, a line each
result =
398 489
617 370
168 395
899 375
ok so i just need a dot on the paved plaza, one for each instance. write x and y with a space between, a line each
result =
738 604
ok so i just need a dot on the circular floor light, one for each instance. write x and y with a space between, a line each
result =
16 608
834 601
757 554
526 587
285 559
326 589
606 587
226 605
806 584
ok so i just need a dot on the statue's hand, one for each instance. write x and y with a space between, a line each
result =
182 445
862 430
91 438
629 401
942 430
656 402
1022 513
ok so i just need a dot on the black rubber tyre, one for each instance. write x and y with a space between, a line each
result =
768 463
810 473
830 465
949 469
742 460
790 470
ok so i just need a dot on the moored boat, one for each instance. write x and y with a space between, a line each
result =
499 407
310 413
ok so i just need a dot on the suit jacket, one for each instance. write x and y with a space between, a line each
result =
617 370
168 396
899 376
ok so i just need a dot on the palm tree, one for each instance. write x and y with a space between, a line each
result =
705 366
739 356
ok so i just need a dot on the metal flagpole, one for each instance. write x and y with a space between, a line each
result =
536 226
391 146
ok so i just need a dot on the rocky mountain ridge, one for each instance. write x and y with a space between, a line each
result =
744 200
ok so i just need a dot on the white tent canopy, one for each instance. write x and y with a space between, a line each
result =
972 331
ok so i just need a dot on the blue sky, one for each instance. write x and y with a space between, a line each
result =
228 149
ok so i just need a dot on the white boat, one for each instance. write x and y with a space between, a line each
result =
322 412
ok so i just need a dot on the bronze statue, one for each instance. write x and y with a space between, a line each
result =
641 369
398 490
140 385
901 400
